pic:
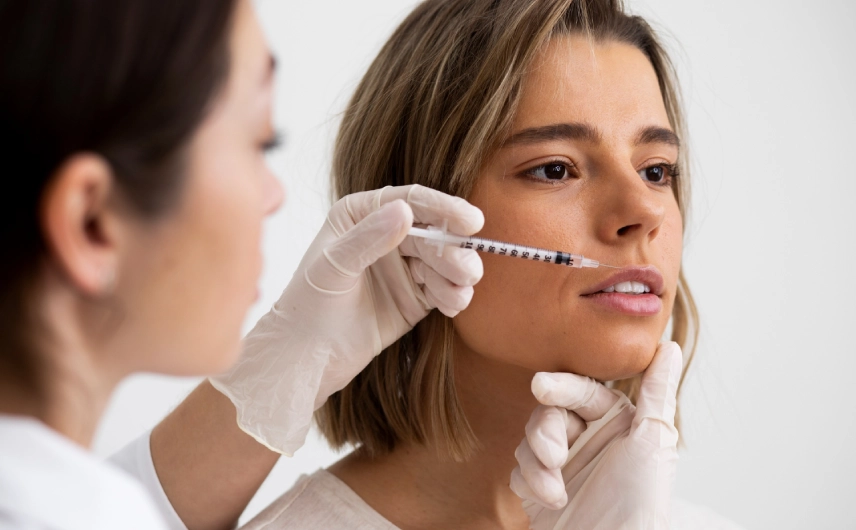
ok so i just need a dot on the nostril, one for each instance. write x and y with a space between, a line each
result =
623 230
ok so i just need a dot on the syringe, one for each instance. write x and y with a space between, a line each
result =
440 238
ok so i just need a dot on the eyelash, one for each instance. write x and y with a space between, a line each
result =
672 170
272 144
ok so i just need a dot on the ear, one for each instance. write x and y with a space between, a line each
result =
80 225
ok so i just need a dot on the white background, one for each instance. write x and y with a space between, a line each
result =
768 408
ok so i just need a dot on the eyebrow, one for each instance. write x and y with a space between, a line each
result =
586 132
553 132
657 135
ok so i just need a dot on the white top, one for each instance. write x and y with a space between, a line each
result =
136 460
319 500
49 483
323 501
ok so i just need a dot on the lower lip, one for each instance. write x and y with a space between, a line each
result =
643 305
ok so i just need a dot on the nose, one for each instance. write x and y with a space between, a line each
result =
632 209
274 194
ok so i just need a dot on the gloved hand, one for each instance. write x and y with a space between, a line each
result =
591 460
360 287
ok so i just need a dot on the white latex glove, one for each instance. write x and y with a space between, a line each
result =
360 286
591 460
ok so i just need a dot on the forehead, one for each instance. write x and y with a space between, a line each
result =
250 58
609 84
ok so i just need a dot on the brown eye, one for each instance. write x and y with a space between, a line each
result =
555 171
552 171
661 174
654 174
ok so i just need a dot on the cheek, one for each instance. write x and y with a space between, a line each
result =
672 242
670 248
521 312
532 315
227 233
229 226
205 270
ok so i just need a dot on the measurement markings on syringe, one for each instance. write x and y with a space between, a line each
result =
500 248
439 237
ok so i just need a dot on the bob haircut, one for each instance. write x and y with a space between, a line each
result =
434 104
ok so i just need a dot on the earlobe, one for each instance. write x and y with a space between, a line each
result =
77 221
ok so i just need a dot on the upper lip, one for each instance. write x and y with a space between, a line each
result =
649 275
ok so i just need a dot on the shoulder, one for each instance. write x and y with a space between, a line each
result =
39 469
689 516
319 500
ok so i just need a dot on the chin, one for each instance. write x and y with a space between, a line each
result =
205 361
224 361
612 362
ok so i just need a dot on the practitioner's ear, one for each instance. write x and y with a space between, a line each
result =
80 223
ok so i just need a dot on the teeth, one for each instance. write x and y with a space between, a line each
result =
628 288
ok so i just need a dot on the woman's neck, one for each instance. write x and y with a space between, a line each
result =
414 487
71 387
75 400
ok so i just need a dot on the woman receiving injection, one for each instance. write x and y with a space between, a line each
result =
560 120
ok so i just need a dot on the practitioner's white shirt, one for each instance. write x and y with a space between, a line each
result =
323 501
49 483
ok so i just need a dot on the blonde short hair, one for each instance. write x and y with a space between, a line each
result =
434 104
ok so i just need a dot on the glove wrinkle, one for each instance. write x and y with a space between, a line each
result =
329 222
339 268
325 291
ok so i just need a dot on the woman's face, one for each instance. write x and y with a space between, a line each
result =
586 170
195 272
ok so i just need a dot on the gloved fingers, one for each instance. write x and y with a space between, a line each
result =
520 487
378 234
586 397
575 427
547 432
432 207
460 266
546 485
417 270
449 298
655 406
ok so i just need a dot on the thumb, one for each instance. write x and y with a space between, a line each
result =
378 234
657 401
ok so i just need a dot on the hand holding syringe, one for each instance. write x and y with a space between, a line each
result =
440 238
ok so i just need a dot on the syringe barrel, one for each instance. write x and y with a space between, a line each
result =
500 248
440 238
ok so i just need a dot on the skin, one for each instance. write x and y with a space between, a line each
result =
120 294
606 211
